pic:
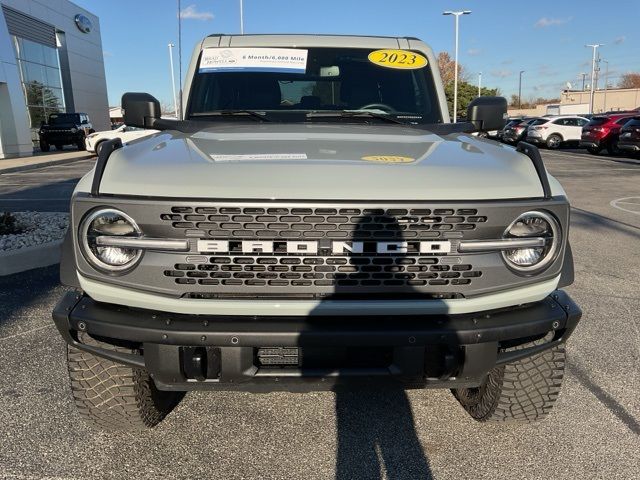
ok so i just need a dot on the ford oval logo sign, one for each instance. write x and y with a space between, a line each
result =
83 23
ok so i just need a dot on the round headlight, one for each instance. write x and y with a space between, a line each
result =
74 130
109 222
533 225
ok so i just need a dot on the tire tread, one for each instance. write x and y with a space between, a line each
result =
522 391
113 396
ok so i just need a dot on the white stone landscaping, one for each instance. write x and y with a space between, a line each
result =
38 228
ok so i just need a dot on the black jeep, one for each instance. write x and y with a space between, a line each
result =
65 129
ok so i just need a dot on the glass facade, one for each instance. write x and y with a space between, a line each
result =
41 80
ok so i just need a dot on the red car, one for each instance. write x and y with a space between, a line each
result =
603 132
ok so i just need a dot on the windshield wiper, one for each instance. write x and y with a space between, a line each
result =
231 113
356 114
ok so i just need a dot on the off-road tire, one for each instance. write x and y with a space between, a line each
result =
80 145
523 391
113 396
44 146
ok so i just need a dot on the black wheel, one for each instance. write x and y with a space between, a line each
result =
522 391
554 141
80 145
593 150
59 147
44 146
113 396
98 147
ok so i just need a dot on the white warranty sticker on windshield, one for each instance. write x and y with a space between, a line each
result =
285 60
259 156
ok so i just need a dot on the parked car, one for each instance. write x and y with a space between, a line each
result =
65 129
126 134
603 132
629 140
517 131
510 123
554 131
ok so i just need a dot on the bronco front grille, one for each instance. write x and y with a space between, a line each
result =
322 272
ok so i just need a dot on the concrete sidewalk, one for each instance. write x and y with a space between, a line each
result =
41 159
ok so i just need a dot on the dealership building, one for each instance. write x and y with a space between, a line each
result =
50 61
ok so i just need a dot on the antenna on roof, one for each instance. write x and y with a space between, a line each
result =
180 57
241 19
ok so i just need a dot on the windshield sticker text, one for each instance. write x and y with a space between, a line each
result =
287 60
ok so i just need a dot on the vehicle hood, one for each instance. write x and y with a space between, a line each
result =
319 161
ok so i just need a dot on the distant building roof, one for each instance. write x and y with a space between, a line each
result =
115 112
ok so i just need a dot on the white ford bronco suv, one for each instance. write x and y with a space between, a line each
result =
313 220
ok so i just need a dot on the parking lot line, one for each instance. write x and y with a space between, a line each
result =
583 156
26 332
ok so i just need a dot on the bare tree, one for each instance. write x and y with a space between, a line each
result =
630 80
447 69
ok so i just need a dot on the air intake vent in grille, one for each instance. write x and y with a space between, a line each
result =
335 271
319 223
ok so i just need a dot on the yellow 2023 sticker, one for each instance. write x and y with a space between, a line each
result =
401 59
388 159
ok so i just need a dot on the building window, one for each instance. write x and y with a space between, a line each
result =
41 81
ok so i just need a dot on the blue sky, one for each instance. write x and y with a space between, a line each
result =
545 38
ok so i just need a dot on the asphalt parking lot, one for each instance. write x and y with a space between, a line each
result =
593 432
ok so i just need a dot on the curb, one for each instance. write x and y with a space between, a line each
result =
23 259
33 166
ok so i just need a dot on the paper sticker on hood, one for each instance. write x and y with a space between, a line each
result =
388 159
259 156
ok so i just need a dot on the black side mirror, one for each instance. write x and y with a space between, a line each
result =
140 109
487 113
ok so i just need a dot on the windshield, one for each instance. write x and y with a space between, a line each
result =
595 121
316 80
60 118
539 121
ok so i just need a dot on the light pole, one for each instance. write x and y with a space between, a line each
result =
593 73
455 79
173 79
241 19
606 81
480 84
584 75
520 90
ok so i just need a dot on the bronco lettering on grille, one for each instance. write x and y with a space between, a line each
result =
313 247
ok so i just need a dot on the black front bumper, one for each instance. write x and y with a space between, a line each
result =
196 352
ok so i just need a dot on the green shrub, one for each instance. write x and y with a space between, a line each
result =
8 224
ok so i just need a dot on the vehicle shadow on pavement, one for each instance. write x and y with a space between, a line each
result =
589 220
605 398
376 434
23 290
